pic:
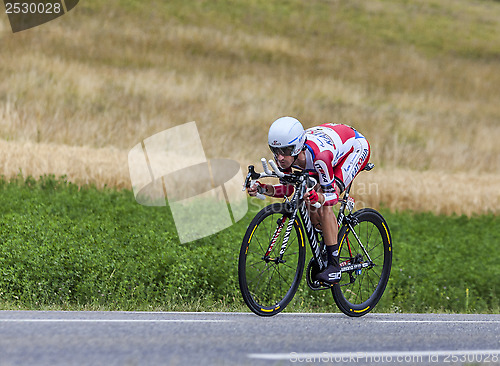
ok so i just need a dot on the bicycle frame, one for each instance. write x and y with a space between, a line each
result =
312 235
298 206
350 221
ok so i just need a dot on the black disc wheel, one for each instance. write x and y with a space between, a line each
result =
269 275
365 256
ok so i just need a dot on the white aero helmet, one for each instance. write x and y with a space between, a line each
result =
286 136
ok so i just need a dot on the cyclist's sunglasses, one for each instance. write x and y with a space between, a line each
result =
285 150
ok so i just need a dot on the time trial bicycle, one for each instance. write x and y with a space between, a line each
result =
272 255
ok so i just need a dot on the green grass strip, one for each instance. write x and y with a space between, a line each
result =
66 247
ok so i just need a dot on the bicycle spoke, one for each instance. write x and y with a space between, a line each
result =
257 286
259 276
260 245
373 272
380 256
358 293
255 263
369 235
283 278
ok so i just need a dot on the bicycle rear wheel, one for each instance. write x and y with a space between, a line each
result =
266 283
365 273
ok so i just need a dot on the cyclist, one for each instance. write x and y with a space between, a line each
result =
335 153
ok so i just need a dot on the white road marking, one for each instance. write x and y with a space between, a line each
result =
436 321
389 356
112 321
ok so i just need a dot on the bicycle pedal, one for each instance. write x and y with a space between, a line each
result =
317 286
325 285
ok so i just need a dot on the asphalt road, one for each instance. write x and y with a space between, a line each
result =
127 338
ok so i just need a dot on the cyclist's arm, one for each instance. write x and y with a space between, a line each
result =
324 168
282 190
330 194
277 190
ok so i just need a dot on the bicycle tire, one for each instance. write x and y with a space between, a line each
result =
268 287
359 291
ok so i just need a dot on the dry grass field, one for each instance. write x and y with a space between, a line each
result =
420 79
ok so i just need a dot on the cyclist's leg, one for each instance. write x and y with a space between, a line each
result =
330 233
314 215
321 217
328 223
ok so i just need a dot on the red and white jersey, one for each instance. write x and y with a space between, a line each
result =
336 152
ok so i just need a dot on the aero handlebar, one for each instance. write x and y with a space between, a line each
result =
252 177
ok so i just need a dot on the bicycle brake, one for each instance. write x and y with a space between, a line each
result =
252 175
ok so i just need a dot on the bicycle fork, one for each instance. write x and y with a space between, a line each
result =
277 232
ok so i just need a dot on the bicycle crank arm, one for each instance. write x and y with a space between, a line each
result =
319 286
355 267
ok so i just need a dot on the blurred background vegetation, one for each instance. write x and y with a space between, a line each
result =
418 78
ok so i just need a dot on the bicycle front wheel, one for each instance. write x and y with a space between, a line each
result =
269 275
365 256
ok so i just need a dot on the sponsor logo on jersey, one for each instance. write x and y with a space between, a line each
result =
321 172
323 138
360 162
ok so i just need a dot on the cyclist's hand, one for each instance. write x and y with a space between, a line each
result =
258 187
312 197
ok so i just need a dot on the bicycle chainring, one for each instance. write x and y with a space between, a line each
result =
311 272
